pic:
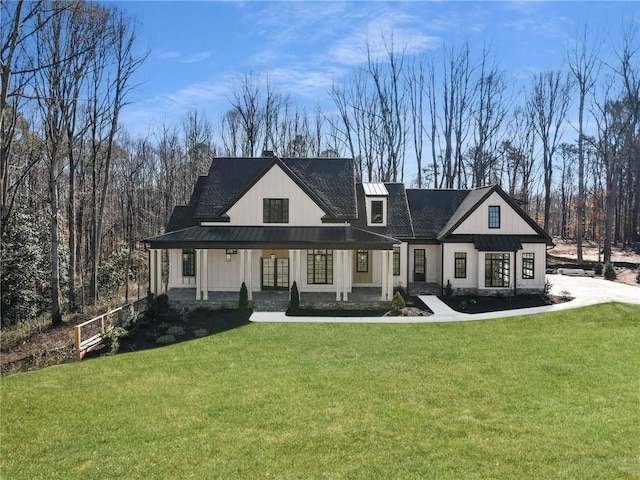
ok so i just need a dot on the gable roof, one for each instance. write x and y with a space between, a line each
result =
475 198
431 209
328 182
472 201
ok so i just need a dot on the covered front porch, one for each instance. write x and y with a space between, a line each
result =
361 298
322 261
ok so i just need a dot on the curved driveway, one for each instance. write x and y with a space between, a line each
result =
585 290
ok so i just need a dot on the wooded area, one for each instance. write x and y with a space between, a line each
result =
78 192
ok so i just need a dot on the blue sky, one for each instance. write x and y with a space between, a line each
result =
197 48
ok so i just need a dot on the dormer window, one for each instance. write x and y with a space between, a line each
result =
275 210
377 197
377 209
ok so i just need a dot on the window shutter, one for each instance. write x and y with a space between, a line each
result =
265 210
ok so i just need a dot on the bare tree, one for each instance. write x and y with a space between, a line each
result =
584 65
247 103
548 103
489 111
416 88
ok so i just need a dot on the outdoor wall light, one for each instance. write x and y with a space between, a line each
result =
273 256
228 257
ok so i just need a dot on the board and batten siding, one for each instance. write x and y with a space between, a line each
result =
449 266
511 223
248 210
476 267
176 280
432 261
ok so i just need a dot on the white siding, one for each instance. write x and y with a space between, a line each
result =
448 270
432 262
176 280
539 265
476 267
510 222
276 184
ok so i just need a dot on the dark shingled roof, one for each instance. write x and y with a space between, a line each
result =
328 181
184 216
472 199
432 209
398 219
332 180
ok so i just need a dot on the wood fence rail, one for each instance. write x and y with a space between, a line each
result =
89 334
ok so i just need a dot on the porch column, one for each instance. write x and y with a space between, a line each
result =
248 281
152 271
242 267
205 274
390 274
158 272
345 275
337 270
198 275
385 277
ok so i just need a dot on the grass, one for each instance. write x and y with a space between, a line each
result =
547 396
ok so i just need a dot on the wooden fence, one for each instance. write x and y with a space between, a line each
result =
89 334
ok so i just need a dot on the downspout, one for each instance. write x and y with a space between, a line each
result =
442 269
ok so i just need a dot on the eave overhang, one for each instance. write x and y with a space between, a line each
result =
259 237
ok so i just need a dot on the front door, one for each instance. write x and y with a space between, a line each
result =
419 265
275 273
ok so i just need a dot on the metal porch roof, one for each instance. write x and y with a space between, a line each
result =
333 237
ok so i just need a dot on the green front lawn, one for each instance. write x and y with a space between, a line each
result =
547 396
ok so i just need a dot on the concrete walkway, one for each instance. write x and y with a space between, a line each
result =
585 290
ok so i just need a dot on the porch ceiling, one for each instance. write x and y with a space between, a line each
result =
329 237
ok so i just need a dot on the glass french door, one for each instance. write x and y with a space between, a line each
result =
275 273
419 265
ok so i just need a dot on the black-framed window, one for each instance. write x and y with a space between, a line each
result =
528 262
496 270
275 210
319 267
376 211
189 263
362 261
494 216
461 265
396 260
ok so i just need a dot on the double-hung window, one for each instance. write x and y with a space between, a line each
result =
396 260
319 267
527 266
275 210
460 265
377 207
189 263
362 264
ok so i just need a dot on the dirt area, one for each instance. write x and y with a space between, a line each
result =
565 250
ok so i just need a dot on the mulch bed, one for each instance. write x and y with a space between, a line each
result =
482 304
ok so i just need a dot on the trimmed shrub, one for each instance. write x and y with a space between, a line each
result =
638 276
243 301
448 289
598 268
294 302
609 272
397 303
